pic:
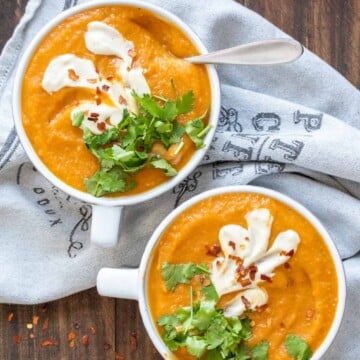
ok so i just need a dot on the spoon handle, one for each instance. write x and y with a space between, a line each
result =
267 52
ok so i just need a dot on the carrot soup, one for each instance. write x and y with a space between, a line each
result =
242 276
109 104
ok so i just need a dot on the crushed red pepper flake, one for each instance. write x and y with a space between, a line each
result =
238 260
85 340
49 342
35 320
287 265
72 75
101 126
92 330
246 302
17 339
290 253
122 100
10 317
244 282
232 244
247 238
105 88
45 324
133 340
266 278
109 77
261 308
213 250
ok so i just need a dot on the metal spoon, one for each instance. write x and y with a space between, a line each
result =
267 52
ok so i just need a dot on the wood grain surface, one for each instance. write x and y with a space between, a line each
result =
86 326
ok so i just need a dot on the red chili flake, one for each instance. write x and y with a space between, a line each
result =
287 265
71 336
92 330
110 77
119 357
17 339
85 340
238 260
101 126
246 302
94 115
44 308
98 100
105 88
10 317
261 308
252 272
133 341
291 253
266 278
35 319
132 53
98 91
92 119
122 100
107 346
49 342
31 335
72 75
247 238
91 81
213 250
232 244
45 324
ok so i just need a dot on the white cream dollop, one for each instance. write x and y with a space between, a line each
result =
247 262
102 39
69 70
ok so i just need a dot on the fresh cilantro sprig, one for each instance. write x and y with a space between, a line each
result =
208 334
127 148
297 348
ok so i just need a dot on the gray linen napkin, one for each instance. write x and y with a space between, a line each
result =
298 124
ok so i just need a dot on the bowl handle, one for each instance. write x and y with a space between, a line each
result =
105 225
118 283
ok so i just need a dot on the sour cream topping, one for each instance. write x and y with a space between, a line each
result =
247 262
69 70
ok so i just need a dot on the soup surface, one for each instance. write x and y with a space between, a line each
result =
302 297
159 49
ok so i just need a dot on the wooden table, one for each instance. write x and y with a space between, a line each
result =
106 328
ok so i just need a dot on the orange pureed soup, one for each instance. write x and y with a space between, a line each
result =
302 294
159 49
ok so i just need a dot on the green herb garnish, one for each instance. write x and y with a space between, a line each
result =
126 149
260 351
297 348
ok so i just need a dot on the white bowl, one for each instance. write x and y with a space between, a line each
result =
109 209
132 283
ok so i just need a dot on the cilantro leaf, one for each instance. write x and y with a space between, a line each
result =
297 348
202 318
174 274
213 355
196 130
195 346
78 118
210 293
260 351
185 103
177 132
107 181
93 141
164 166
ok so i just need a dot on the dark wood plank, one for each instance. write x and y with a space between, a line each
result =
331 29
84 314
